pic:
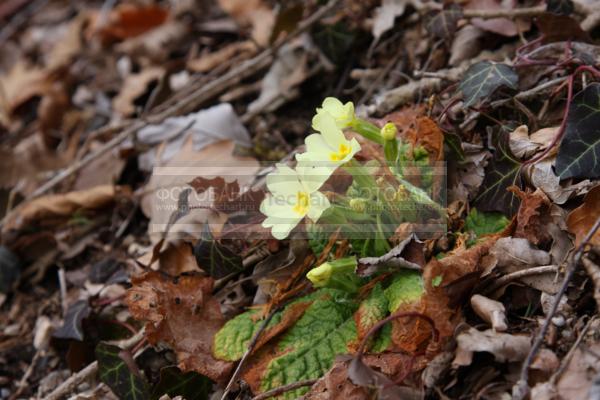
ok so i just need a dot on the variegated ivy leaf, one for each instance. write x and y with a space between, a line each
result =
579 153
483 78
502 172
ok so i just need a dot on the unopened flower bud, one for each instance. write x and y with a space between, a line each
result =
358 205
389 131
320 276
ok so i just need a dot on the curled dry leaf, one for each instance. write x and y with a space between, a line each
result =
60 207
182 313
581 219
134 86
384 16
254 13
503 346
127 20
436 302
533 217
578 380
518 253
491 311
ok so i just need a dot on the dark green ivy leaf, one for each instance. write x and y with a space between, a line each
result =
502 172
116 374
189 385
444 24
71 328
483 78
213 257
579 153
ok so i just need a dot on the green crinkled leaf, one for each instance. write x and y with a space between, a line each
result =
232 340
115 373
501 172
215 258
483 78
311 345
579 153
406 287
482 223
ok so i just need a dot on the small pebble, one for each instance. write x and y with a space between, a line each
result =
559 321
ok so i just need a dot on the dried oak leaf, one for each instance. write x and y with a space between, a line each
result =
436 303
56 208
128 20
533 217
581 219
181 313
504 346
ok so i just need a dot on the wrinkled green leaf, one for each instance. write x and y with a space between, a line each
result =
483 78
189 385
481 223
579 153
115 373
406 287
72 326
501 172
213 257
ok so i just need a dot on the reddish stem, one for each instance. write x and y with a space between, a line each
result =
563 125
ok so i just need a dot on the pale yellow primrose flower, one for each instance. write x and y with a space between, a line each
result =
330 148
343 114
290 200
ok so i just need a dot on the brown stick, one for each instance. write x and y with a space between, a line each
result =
521 388
503 280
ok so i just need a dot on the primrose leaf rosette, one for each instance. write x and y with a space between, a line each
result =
333 322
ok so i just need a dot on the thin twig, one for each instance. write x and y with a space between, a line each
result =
521 388
70 384
285 388
505 13
503 280
566 360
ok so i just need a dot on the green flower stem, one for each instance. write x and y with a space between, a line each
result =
360 174
367 130
390 149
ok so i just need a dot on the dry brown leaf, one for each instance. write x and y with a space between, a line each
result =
47 210
206 62
501 26
254 13
128 20
533 217
436 301
155 44
19 85
214 160
182 313
577 380
335 385
503 346
134 86
581 219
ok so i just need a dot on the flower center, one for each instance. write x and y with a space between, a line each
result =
301 206
343 151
